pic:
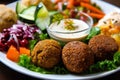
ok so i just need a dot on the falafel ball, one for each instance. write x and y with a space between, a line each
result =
103 47
7 17
46 53
77 56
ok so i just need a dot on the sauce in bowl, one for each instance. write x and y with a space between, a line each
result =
65 32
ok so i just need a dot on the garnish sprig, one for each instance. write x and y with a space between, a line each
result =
69 24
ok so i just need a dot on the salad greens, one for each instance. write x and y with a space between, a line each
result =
56 18
93 32
100 66
32 44
106 65
25 61
116 58
43 36
103 66
38 37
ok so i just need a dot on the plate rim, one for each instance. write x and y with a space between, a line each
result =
26 71
6 61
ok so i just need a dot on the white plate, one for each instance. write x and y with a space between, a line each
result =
106 8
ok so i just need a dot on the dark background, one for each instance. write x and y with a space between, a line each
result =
6 1
8 74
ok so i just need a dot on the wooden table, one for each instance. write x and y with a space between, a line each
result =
8 74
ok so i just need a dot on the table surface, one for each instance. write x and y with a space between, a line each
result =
8 74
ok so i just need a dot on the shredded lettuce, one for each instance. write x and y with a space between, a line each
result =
103 66
116 58
43 36
93 32
32 44
106 65
38 37
25 61
100 66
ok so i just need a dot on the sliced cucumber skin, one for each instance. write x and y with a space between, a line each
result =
37 11
41 19
42 26
16 8
29 8
19 7
26 20
27 15
30 11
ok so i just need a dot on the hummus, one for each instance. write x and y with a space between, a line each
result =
59 31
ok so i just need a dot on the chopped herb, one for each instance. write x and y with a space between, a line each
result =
106 65
56 18
43 36
69 24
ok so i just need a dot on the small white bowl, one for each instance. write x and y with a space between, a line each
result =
57 32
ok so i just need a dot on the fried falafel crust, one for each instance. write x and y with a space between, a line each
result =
7 17
46 53
103 47
77 56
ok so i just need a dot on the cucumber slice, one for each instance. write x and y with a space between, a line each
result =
42 18
25 19
20 7
27 15
29 12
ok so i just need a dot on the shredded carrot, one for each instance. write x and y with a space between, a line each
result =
57 1
76 2
24 50
96 15
13 54
90 7
87 1
70 4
